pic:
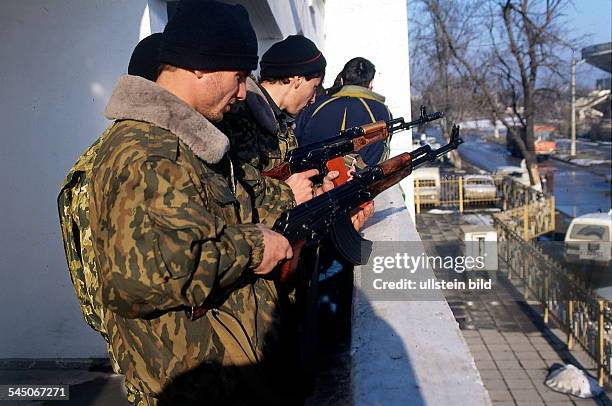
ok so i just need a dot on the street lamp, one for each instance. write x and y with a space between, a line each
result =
573 91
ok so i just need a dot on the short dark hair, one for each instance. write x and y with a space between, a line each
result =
166 67
358 71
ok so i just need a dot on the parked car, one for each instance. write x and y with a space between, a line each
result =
427 185
479 187
589 239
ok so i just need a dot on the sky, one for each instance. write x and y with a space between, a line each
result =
592 18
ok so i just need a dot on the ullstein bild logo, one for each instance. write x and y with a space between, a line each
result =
432 284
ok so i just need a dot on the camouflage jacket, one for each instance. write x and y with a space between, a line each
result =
260 136
168 234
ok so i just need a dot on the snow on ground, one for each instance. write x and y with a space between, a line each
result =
589 162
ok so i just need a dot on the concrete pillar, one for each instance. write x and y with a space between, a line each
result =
379 33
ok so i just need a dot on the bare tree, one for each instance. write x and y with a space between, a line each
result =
523 42
435 80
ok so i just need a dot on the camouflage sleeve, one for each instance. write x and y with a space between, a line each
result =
167 250
270 196
275 198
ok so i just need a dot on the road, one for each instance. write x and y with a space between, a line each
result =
578 190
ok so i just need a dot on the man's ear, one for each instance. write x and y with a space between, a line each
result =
297 81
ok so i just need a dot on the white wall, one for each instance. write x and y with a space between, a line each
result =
377 31
300 16
61 60
274 20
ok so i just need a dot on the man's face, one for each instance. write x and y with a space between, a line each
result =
303 94
217 91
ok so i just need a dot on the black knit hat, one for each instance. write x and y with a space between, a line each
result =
145 58
296 55
208 35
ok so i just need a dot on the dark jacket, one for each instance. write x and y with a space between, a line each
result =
351 106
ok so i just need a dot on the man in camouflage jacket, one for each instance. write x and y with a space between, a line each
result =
168 231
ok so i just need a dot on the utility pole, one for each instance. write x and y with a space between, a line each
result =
573 118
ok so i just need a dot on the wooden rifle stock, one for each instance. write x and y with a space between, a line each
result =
395 169
372 133
287 269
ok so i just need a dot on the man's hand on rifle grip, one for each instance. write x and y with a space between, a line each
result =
301 185
276 250
328 183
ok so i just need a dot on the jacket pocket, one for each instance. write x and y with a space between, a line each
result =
174 248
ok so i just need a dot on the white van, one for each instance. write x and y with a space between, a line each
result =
589 239
427 185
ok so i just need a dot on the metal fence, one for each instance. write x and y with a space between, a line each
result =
473 191
531 220
585 316
457 191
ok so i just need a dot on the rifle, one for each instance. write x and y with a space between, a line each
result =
329 213
327 155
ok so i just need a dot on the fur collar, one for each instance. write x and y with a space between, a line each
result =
259 106
135 98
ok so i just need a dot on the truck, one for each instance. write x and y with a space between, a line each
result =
544 144
589 238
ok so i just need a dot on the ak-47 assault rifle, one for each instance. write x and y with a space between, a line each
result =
327 155
329 213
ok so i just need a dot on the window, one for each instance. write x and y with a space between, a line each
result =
589 232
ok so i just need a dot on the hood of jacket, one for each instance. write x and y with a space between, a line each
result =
260 108
359 91
136 98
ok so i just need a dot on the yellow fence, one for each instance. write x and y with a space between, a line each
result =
532 220
473 191
585 316
457 191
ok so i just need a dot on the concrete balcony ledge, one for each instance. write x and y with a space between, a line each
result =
407 352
